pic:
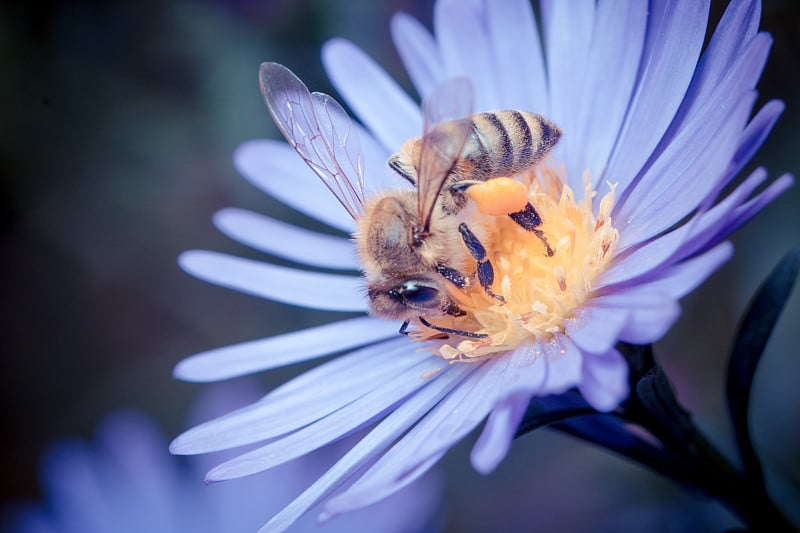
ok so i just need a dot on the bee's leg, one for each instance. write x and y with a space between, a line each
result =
455 201
450 331
450 308
485 270
529 219
461 186
452 275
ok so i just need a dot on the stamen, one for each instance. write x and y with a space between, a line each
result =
539 291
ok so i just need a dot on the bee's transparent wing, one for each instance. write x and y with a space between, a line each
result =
447 126
321 132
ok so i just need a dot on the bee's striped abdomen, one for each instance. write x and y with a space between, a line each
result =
503 143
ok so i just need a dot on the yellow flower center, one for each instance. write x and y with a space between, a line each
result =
539 291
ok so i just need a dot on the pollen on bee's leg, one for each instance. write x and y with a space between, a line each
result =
498 196
540 291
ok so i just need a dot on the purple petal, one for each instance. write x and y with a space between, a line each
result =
564 361
527 369
390 428
707 103
520 69
352 501
73 473
309 397
756 133
709 223
650 315
605 380
495 440
594 329
692 165
369 92
705 108
419 52
461 412
136 446
281 350
644 258
303 288
710 227
755 205
464 407
675 33
333 426
567 28
680 280
750 140
465 50
735 30
287 240
275 168
613 60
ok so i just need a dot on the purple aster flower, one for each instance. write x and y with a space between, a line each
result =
126 482
631 203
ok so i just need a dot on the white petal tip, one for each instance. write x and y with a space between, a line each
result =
606 400
189 260
484 464
176 447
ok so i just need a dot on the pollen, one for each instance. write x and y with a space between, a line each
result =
499 196
533 293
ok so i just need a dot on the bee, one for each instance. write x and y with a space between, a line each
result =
500 143
411 244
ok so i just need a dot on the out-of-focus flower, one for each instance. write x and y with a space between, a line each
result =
127 482
653 132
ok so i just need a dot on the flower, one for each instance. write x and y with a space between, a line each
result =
126 481
653 133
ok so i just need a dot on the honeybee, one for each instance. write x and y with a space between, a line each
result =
500 143
410 242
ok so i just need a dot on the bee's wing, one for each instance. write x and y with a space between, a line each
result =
447 125
321 132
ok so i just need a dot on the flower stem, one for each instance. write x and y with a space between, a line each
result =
746 499
655 408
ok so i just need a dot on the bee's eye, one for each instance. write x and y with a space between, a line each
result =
415 295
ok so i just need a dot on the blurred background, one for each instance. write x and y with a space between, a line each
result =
117 125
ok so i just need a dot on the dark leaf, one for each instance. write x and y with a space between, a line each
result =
754 332
665 417
639 358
